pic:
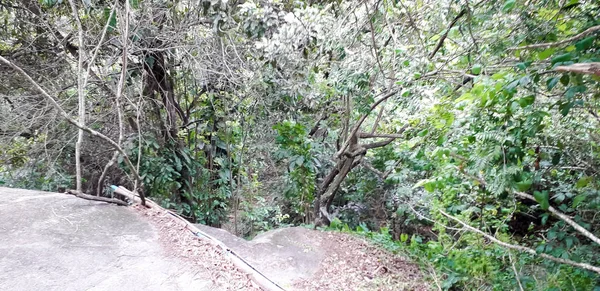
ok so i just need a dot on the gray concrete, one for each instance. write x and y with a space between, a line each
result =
52 241
285 255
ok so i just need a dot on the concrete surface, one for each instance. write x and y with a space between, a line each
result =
52 241
284 255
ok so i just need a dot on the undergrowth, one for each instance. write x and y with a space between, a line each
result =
471 263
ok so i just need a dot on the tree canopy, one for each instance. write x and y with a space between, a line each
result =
463 133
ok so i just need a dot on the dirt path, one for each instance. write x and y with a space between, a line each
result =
303 259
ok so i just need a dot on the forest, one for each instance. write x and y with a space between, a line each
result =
463 134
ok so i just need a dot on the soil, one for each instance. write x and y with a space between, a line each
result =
352 263
295 258
203 256
298 258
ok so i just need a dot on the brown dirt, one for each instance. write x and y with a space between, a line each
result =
201 255
343 261
352 263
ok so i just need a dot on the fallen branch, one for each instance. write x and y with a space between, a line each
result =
552 210
515 271
558 43
565 218
96 198
522 248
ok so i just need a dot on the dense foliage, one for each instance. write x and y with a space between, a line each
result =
463 133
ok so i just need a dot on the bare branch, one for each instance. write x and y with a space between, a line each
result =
378 144
120 87
81 80
581 68
382 135
362 119
445 35
522 248
97 198
552 210
515 271
369 167
565 218
72 121
558 43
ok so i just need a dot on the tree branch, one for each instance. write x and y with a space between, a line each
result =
565 218
359 123
552 210
386 135
522 248
378 144
97 198
581 68
72 121
558 43
445 35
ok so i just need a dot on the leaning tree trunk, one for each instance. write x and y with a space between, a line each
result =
346 161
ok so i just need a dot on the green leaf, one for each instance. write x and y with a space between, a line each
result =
540 249
562 58
545 54
423 132
572 91
564 79
565 107
542 199
135 4
570 4
584 181
429 187
585 43
545 218
441 140
569 242
524 185
556 159
48 3
551 83
578 199
300 160
111 18
403 237
476 70
526 101
508 5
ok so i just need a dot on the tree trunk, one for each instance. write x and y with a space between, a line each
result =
80 97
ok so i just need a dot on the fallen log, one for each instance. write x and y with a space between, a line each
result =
96 198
